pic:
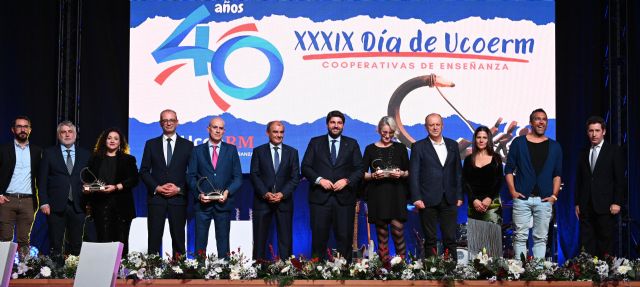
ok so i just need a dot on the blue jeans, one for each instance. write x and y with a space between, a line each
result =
526 211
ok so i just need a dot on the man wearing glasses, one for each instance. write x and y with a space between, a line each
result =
19 164
163 171
214 166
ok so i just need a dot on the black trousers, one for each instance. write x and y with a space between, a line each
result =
69 224
446 215
177 215
261 231
596 231
331 216
111 227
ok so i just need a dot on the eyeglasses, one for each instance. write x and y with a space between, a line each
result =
21 127
166 121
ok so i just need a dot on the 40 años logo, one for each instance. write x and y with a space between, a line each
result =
203 57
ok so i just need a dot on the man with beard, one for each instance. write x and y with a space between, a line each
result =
332 165
60 191
532 173
19 163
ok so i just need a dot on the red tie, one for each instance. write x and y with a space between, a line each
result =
214 157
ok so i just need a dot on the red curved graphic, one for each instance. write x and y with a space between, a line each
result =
166 73
251 27
224 106
410 55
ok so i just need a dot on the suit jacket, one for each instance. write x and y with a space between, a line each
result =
54 179
127 175
8 164
265 179
429 181
154 170
227 174
606 185
317 163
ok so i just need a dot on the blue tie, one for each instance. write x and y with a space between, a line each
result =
276 159
333 152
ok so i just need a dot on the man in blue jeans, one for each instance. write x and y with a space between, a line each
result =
532 173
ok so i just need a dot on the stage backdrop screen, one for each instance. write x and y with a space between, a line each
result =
474 62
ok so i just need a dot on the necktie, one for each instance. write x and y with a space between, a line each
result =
69 161
70 170
276 158
334 155
594 157
214 157
169 151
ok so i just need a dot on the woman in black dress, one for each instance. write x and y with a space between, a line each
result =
386 165
112 208
482 176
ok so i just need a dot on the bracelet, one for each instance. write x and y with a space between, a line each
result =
554 197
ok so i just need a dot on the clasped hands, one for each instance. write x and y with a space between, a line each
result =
273 197
167 189
482 205
337 186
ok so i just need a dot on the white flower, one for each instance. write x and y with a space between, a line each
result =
22 268
158 272
177 269
542 277
407 274
191 263
286 269
417 265
396 260
14 275
319 267
433 270
624 269
45 271
218 269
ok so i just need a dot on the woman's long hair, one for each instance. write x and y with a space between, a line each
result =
100 148
474 147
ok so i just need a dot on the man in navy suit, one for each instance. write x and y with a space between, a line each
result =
220 164
435 174
60 190
601 186
332 165
163 171
19 164
275 176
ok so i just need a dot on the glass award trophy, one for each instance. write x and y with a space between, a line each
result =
209 191
90 182
378 166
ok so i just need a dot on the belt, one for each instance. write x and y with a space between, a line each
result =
18 195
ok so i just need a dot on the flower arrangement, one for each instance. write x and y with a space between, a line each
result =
236 266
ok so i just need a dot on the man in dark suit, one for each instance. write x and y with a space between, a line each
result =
220 164
332 165
600 190
435 181
19 164
163 171
275 176
60 191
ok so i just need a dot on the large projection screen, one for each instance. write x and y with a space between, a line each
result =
251 62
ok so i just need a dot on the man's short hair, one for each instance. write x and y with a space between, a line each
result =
539 110
65 123
596 120
332 114
20 118
271 123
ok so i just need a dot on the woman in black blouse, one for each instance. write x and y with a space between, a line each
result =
482 177
386 165
112 208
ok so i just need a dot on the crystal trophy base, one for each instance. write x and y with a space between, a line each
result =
213 196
